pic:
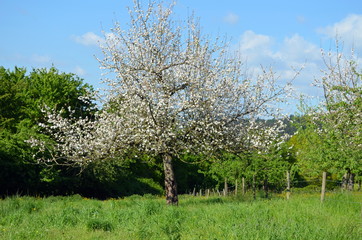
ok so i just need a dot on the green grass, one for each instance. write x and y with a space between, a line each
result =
136 217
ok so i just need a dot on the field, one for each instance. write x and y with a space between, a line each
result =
147 217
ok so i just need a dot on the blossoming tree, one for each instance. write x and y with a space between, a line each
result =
338 124
171 90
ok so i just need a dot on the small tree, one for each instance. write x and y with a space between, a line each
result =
335 141
342 85
172 91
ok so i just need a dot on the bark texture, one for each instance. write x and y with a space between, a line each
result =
348 180
170 181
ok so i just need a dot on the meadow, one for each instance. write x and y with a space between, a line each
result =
147 217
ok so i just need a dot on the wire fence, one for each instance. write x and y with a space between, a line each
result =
323 188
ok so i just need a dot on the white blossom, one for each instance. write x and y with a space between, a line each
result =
171 90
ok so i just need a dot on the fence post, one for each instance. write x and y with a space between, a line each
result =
323 192
288 185
243 185
254 188
236 187
266 187
225 187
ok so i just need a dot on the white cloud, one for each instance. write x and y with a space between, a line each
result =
231 18
79 71
88 39
284 57
296 48
262 49
39 59
349 30
255 47
250 40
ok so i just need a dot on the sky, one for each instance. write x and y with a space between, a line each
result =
284 35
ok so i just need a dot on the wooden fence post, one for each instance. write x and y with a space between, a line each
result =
236 187
323 191
243 185
266 187
225 187
254 187
288 185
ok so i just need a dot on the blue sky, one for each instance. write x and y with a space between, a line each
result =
282 34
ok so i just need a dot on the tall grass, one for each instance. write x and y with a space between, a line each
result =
136 217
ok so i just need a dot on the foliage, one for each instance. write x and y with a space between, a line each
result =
22 98
332 132
266 160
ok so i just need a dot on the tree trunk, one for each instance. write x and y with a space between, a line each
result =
170 180
344 181
348 180
351 182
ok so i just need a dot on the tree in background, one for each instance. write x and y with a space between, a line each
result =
333 131
22 98
173 91
271 157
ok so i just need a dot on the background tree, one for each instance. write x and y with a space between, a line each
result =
333 130
22 97
172 91
342 87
